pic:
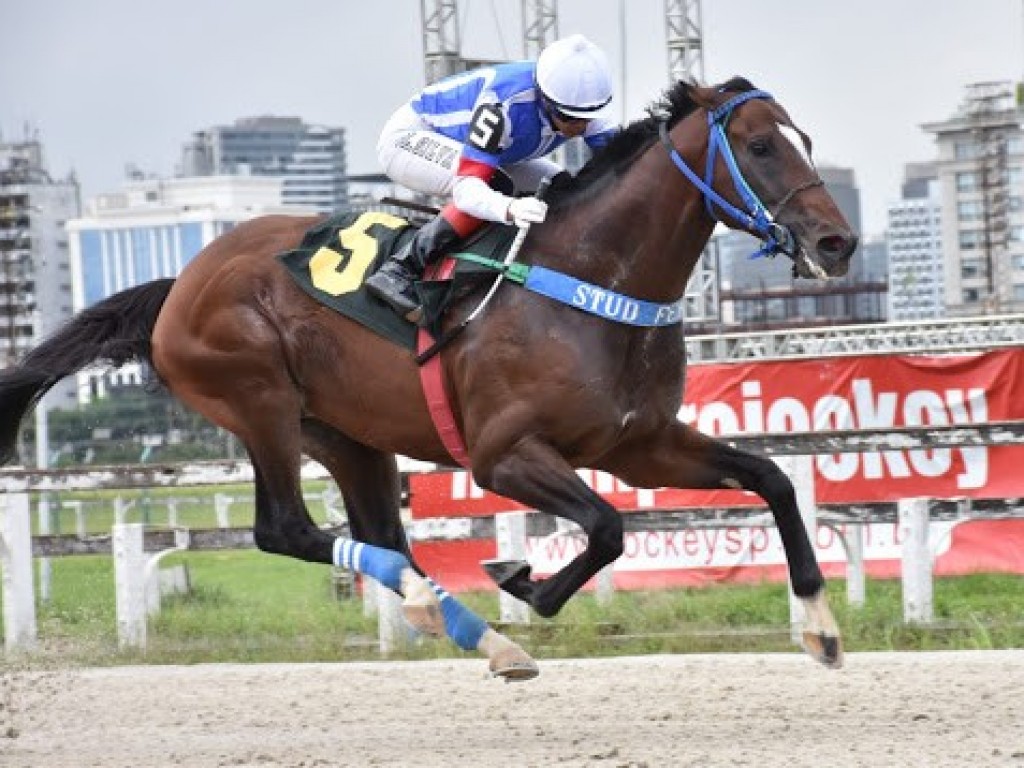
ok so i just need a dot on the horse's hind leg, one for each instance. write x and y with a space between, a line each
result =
369 483
682 457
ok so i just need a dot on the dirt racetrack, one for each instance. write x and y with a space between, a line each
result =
920 709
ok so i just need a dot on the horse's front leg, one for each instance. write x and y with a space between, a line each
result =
369 482
682 457
534 474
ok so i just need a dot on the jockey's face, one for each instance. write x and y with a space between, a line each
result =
570 127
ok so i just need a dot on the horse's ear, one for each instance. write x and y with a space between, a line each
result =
737 84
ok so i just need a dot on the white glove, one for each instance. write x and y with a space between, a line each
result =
527 210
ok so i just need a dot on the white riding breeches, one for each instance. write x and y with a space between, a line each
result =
415 156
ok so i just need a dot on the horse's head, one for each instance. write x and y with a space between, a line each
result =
759 177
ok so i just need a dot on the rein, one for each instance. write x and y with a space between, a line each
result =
755 217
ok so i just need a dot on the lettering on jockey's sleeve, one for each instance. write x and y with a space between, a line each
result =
486 128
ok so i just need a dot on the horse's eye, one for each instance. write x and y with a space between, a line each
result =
760 147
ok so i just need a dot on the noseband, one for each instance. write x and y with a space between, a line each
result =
755 217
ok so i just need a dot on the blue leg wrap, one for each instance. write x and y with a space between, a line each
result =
384 565
463 626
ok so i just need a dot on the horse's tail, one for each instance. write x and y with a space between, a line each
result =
117 330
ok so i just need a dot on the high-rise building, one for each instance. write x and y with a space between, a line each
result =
914 239
309 159
981 181
152 229
35 277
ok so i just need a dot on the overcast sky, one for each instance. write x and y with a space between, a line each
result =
111 82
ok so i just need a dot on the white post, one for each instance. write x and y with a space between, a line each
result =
172 513
16 559
130 584
79 517
370 597
221 504
800 470
853 538
510 536
121 507
45 570
41 414
392 631
605 584
152 577
917 560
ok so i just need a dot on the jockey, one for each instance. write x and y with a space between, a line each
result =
474 133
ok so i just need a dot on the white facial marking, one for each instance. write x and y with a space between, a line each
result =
797 141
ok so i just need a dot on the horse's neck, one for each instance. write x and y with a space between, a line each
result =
641 237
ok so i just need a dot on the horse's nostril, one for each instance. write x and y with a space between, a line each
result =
837 246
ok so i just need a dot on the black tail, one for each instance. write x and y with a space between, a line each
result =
117 330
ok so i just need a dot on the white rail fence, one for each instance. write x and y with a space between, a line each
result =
137 549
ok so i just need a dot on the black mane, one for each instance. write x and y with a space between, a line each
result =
608 162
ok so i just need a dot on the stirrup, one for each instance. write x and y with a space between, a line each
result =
388 289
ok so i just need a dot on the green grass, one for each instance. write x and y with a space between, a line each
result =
251 606
195 507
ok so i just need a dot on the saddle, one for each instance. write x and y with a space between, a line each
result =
336 255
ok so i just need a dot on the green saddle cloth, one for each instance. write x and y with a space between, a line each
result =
338 254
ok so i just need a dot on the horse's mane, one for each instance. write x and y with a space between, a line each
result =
608 162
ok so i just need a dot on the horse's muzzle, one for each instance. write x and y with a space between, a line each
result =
829 256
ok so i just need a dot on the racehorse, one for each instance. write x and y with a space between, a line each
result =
539 387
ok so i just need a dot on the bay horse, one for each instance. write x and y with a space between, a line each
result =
538 387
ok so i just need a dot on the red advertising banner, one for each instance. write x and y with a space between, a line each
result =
816 395
870 392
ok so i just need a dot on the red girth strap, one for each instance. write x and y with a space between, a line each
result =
432 381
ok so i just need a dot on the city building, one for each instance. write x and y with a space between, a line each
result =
763 293
309 159
35 276
914 240
981 185
152 229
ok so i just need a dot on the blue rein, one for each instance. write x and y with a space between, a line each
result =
755 219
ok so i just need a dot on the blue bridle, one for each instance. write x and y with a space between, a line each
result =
776 237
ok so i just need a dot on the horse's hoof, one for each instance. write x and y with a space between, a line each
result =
514 665
505 571
825 649
421 607
425 619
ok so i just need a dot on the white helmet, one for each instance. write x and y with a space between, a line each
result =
572 74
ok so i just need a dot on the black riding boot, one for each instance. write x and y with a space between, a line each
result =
394 283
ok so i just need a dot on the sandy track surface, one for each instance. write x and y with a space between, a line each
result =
922 709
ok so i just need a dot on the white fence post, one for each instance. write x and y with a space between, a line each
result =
16 561
121 507
45 571
221 505
800 470
510 537
917 560
171 580
393 633
80 531
853 539
172 513
605 584
130 584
